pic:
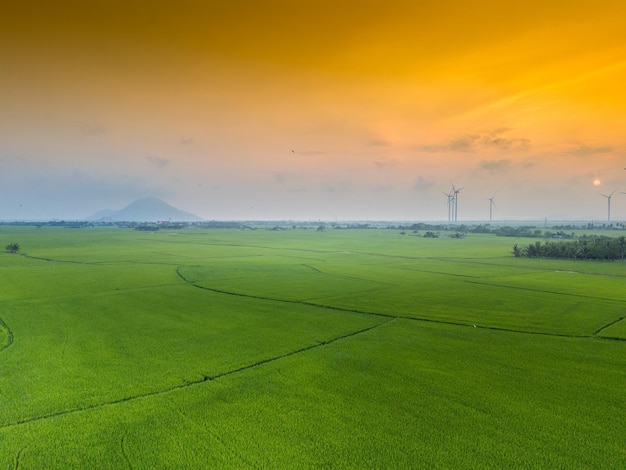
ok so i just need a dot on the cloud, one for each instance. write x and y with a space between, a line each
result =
585 151
494 166
339 186
158 161
382 165
460 144
423 184
481 141
466 143
185 141
431 148
496 139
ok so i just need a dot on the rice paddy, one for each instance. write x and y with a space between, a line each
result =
304 349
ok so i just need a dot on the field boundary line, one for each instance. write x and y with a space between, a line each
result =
299 351
18 456
243 245
531 289
313 268
9 335
607 326
411 318
52 260
123 450
533 268
611 338
441 273
287 301
189 384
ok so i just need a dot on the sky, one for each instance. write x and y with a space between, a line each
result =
314 110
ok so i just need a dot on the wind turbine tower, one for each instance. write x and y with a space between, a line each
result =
456 202
608 200
491 206
450 196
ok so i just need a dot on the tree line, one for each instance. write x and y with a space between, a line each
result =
586 248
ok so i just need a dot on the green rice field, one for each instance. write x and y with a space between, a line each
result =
203 348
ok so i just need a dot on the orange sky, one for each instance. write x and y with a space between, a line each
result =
384 105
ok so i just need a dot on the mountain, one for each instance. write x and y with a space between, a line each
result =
147 209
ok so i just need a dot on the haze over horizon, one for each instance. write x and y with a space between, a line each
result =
313 110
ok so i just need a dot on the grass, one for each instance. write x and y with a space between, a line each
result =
343 349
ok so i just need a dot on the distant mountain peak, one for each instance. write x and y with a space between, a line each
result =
146 209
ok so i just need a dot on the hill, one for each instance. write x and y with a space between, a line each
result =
148 209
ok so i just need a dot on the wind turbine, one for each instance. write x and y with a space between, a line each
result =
491 205
608 200
450 205
456 201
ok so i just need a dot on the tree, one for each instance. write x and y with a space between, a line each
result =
586 247
12 248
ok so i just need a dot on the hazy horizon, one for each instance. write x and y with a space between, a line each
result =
323 110
103 216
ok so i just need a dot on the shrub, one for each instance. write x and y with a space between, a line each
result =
12 248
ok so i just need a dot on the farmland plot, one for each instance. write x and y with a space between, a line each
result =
207 349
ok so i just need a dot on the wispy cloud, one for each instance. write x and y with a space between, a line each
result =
496 139
494 166
583 150
338 186
480 141
385 164
379 143
466 143
423 184
157 161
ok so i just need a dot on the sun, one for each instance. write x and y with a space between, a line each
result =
597 182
